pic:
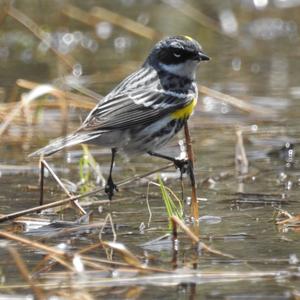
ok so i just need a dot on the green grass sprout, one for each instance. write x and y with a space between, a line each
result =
172 202
88 167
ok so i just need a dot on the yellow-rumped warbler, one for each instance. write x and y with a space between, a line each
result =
147 108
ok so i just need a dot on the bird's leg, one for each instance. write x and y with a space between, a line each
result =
110 186
184 165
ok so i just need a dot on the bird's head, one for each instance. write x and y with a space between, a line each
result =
179 55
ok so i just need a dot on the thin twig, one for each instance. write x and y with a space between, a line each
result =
73 198
238 103
60 183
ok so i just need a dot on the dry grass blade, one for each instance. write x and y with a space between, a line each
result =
95 265
127 255
176 221
240 104
99 13
13 110
31 243
130 258
39 33
90 248
48 262
289 219
80 15
108 219
63 262
196 15
53 253
72 294
25 100
86 92
75 100
104 262
39 294
126 23
196 239
134 292
214 251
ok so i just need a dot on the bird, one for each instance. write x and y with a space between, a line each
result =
143 112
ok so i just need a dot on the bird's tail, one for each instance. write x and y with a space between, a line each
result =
63 142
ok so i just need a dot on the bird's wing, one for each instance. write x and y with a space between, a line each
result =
134 105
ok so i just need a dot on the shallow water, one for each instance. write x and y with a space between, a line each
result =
256 60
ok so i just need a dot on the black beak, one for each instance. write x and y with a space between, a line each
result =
202 57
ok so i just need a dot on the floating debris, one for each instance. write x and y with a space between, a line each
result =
286 153
259 199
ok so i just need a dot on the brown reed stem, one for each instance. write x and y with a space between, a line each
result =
190 153
42 176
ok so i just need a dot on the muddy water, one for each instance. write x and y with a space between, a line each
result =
256 58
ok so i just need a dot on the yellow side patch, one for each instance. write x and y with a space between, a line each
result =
186 111
188 38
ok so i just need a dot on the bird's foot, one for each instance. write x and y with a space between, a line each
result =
182 165
110 188
185 166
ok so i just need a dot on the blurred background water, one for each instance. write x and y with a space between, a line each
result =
254 46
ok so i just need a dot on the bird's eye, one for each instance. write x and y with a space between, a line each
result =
177 54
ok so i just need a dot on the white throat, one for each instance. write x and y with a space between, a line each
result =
186 69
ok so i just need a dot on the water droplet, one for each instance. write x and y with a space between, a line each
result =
293 259
260 4
236 64
77 70
104 30
229 22
254 128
